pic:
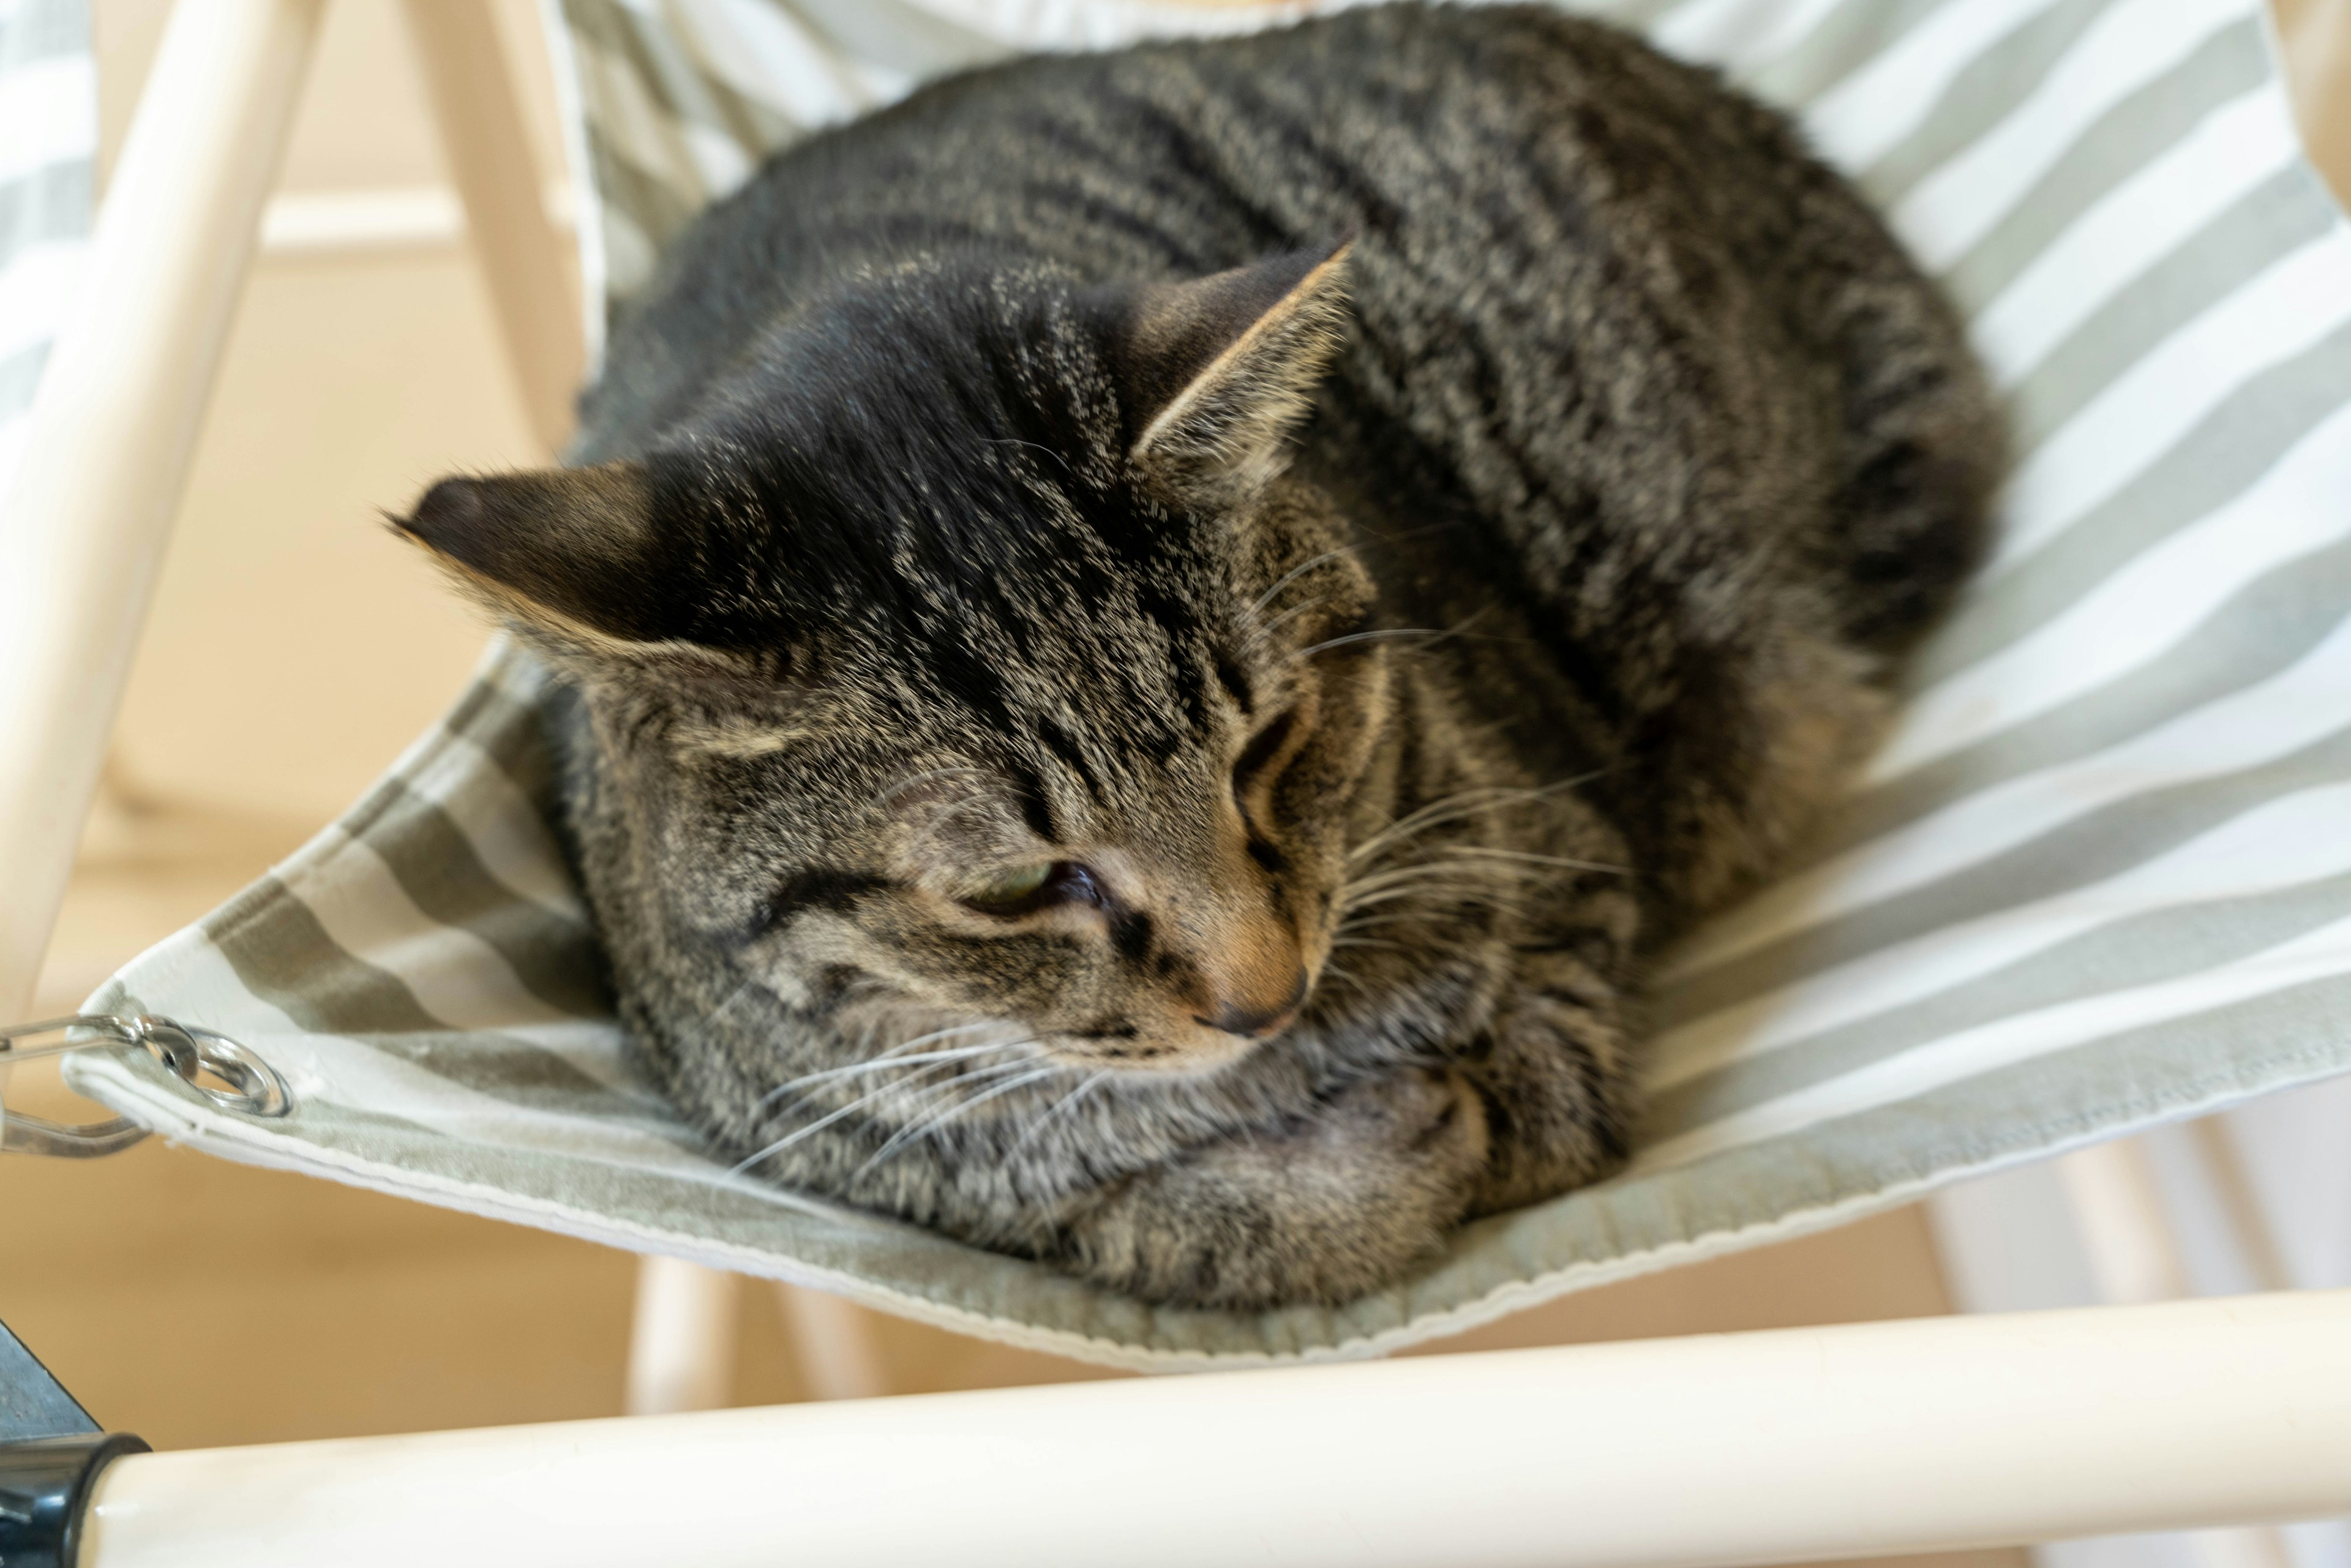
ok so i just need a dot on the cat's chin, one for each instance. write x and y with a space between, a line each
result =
1189 1053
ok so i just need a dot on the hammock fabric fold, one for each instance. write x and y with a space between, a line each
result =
2098 878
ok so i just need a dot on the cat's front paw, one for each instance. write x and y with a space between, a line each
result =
1339 1206
1558 1088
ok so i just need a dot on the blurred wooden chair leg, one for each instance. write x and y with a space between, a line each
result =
2133 1255
681 1342
2249 1229
2317 38
833 1340
487 145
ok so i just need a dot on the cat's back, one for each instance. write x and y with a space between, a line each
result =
1502 167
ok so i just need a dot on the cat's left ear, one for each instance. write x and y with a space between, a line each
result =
1216 373
580 562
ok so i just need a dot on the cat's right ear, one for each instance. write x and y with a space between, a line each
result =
1215 373
573 556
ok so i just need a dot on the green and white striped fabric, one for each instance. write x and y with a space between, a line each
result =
2099 877
49 154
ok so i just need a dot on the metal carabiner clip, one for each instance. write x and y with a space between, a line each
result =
248 1085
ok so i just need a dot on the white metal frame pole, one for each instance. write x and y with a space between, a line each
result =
115 426
2133 1252
1932 1434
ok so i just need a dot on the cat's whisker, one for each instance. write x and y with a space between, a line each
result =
904 1047
1263 633
1013 441
1459 629
940 1119
1464 872
1322 647
947 1033
1446 887
1333 972
1365 923
788 1139
1451 894
1470 873
1444 809
957 1082
1482 860
882 1064
1292 575
918 1042
923 1126
896 1086
1060 1108
898 1055
961 1075
902 1097
960 1055
1464 803
1528 858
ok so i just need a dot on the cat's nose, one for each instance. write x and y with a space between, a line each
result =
1255 1020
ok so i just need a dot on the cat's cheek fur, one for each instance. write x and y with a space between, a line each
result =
1339 1205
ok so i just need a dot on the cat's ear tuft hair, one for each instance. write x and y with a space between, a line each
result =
1217 372
564 549
570 555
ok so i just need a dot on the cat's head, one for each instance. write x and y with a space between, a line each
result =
966 639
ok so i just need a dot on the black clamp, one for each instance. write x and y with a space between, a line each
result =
44 1487
50 1456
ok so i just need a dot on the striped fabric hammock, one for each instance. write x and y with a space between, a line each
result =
2098 878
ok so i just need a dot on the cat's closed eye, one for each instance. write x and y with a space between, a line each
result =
1034 887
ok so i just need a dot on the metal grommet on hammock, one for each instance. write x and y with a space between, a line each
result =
221 1070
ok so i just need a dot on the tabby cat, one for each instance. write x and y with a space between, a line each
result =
1152 640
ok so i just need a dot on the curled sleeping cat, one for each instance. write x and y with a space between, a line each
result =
1153 639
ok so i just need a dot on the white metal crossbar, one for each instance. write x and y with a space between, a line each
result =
1930 1434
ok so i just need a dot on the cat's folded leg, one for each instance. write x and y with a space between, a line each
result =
1337 1206
1554 1068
